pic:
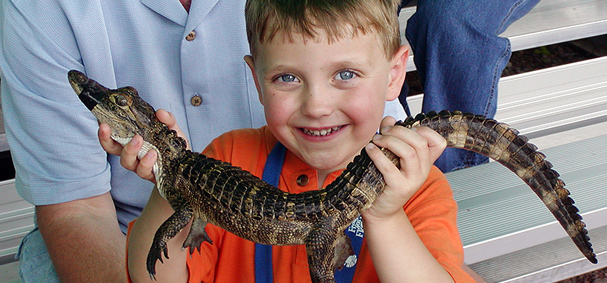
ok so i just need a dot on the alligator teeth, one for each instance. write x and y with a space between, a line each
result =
322 132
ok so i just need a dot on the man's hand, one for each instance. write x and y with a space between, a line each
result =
128 153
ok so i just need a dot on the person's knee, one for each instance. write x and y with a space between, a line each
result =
451 19
440 13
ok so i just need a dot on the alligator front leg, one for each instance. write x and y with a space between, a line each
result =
167 231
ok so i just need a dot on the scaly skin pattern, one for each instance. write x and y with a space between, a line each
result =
205 190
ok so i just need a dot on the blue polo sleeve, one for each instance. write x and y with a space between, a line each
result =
52 136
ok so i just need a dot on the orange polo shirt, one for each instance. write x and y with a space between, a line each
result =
432 211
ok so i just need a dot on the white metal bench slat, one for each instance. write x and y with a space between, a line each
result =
551 100
558 21
555 99
550 262
16 218
500 204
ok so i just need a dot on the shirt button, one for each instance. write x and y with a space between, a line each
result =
196 100
191 36
303 180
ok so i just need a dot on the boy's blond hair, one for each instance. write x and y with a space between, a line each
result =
267 19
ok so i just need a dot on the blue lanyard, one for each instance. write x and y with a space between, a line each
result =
263 253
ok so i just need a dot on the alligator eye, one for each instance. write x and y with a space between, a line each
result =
121 100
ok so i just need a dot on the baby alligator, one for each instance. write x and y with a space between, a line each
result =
206 190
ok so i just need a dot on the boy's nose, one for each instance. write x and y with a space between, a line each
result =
317 102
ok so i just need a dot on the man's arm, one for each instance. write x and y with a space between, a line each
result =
48 125
84 239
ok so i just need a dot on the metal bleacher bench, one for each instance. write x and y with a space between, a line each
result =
507 233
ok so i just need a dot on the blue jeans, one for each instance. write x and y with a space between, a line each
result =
460 58
35 264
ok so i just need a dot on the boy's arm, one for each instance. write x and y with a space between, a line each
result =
173 268
393 242
156 211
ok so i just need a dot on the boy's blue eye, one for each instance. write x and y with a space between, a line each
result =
345 75
287 78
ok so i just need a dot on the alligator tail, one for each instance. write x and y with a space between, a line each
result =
504 144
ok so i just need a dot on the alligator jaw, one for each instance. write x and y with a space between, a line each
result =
86 89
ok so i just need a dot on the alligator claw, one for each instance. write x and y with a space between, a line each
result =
167 231
158 248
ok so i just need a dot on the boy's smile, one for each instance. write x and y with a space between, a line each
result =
321 132
324 101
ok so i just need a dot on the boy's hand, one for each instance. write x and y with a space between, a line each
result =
417 149
128 153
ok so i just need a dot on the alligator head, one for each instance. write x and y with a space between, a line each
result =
128 115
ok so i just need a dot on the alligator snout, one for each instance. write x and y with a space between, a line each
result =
89 91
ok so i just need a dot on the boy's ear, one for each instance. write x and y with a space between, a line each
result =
398 72
250 62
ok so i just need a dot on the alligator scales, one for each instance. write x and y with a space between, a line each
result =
206 190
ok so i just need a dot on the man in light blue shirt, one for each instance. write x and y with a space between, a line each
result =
187 59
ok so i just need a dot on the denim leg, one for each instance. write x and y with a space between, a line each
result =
460 58
35 264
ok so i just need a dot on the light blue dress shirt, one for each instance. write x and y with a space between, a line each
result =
168 55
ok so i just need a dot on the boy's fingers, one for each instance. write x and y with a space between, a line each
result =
383 164
393 134
386 123
430 141
128 153
399 146
144 169
411 147
436 142
393 177
128 156
108 144
168 119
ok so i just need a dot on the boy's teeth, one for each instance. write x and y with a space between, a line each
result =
322 132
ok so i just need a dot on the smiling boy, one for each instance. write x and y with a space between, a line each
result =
324 70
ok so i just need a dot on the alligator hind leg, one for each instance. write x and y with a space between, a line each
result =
343 250
327 252
167 231
197 234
